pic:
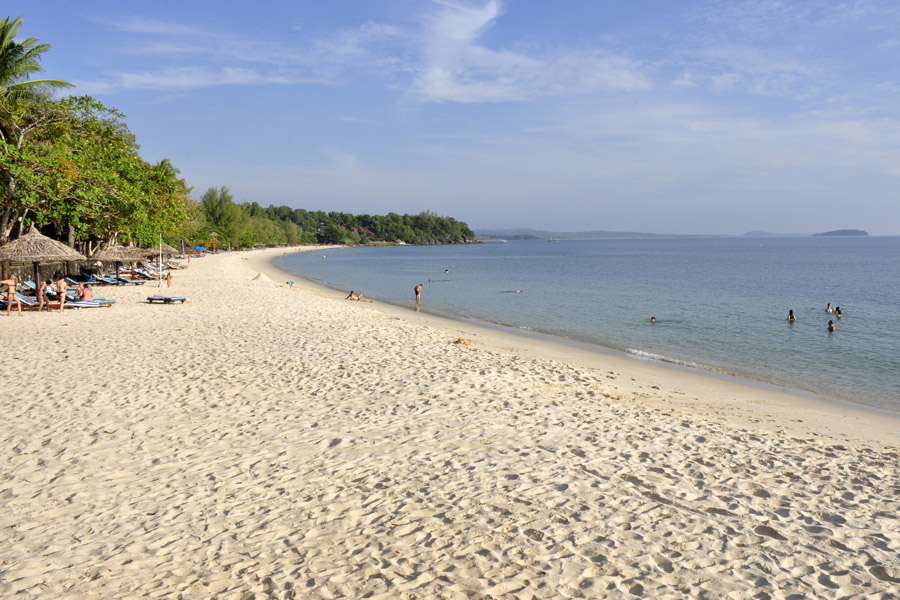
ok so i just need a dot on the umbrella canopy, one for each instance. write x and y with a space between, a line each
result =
36 247
201 248
117 253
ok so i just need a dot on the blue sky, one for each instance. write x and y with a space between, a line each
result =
658 116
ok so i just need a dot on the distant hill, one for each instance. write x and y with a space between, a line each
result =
844 232
768 234
537 234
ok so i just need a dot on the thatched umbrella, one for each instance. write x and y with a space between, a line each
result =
168 250
37 248
119 254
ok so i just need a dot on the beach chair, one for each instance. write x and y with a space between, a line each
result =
82 304
31 303
102 302
166 299
133 281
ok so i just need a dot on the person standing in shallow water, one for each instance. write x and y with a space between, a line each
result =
418 291
791 317
831 327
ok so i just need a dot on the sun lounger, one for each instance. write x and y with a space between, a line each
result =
165 299
100 301
31 303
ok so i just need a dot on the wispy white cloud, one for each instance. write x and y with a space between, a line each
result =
342 160
457 68
151 26
190 58
440 58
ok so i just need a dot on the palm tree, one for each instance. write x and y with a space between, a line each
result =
18 60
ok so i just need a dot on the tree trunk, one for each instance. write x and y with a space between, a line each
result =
22 222
70 266
4 223
5 227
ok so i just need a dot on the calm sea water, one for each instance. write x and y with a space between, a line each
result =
721 304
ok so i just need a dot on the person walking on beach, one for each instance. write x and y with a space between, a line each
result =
11 294
42 296
418 291
791 317
831 328
61 288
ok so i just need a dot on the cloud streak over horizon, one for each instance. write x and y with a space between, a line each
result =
703 118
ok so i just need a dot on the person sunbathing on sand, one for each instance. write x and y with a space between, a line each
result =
358 297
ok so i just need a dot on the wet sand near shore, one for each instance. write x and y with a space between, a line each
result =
272 441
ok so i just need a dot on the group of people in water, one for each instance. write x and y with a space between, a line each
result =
836 311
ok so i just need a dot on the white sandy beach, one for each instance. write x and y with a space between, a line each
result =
263 441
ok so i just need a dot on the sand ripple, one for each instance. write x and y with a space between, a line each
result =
276 443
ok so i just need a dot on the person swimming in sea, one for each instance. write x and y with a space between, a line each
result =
653 319
831 327
791 317
828 308
837 312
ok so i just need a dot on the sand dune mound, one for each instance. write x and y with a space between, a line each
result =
261 277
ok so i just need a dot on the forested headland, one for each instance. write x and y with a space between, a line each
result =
72 167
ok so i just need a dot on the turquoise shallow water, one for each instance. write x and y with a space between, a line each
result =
721 303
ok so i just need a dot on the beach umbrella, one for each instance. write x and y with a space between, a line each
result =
119 254
167 250
201 249
37 248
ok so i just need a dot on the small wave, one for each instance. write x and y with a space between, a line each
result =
650 356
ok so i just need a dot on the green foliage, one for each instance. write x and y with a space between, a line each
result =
73 164
248 224
18 60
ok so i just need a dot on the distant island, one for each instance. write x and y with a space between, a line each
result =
535 234
843 232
